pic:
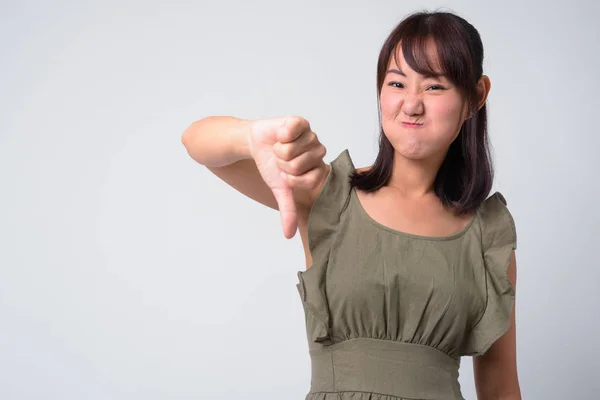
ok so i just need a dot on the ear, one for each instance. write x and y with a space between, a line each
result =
483 89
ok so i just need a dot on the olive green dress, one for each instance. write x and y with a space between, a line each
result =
388 313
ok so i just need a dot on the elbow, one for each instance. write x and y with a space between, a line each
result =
188 136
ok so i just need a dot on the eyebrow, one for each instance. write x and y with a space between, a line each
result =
428 75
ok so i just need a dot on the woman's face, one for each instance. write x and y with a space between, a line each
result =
434 105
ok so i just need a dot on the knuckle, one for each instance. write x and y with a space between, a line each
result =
322 151
285 151
307 124
295 121
295 167
300 122
286 134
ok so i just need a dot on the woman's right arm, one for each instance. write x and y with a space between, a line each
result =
220 143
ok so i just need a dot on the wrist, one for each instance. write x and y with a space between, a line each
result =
240 140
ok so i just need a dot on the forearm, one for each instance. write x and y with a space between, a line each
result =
216 141
516 395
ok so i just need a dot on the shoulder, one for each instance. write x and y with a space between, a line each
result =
498 242
497 222
319 221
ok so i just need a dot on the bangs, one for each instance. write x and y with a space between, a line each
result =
422 55
435 48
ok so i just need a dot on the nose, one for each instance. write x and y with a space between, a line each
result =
412 104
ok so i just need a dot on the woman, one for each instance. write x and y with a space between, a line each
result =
410 264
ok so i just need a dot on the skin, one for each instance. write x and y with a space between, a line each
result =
408 202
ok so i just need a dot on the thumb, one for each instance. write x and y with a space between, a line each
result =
287 210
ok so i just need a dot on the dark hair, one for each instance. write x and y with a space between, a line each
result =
465 177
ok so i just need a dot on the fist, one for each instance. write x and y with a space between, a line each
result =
289 157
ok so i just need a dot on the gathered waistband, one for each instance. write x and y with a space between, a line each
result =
385 367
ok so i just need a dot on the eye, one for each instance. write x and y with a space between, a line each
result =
438 87
396 83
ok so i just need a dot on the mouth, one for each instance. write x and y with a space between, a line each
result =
411 125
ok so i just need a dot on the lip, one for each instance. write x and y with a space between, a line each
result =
411 125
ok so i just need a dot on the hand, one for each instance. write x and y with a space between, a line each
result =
289 157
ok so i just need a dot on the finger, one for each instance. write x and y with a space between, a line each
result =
287 210
303 143
309 180
304 162
292 128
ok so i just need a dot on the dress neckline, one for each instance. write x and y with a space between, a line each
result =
367 217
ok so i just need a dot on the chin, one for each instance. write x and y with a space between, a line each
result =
414 149
412 154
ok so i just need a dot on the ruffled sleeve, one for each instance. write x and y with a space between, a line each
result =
498 240
323 222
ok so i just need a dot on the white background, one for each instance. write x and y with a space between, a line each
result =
128 271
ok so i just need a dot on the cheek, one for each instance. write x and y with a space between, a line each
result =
446 109
387 103
447 113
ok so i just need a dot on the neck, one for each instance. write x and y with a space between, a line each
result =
414 178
